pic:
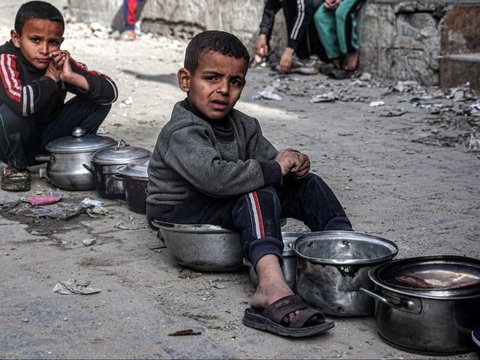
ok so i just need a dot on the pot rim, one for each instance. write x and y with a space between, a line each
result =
467 292
347 235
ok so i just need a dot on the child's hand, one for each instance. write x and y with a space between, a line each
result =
54 69
332 4
67 72
286 60
302 169
261 48
287 159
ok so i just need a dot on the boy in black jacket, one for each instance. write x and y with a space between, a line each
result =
35 77
212 165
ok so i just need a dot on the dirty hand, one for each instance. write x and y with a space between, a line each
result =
67 72
286 60
54 69
332 4
301 170
261 48
287 160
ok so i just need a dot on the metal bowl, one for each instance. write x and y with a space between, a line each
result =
203 247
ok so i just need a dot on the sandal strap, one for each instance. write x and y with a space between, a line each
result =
284 306
305 315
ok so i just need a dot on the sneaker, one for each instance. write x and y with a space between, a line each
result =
15 180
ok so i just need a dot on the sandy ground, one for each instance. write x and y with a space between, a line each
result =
403 172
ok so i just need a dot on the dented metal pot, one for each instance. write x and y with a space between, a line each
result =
332 266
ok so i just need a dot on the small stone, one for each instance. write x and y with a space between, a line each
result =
89 242
25 320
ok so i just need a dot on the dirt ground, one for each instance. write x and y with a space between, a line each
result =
402 170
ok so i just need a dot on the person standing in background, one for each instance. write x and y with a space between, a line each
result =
130 12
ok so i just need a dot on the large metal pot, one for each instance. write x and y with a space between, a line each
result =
105 166
135 183
67 156
427 304
203 247
332 266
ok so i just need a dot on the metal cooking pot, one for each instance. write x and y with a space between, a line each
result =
332 266
427 304
67 154
105 166
289 265
135 184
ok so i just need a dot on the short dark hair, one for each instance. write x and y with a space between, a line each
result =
213 40
37 10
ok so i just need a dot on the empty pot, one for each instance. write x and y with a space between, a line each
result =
332 266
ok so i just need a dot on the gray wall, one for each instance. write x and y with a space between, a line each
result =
400 40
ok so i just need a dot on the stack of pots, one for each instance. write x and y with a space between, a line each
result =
68 154
105 165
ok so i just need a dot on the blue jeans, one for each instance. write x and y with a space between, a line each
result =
256 216
21 138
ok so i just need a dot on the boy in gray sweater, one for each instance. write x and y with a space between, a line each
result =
212 165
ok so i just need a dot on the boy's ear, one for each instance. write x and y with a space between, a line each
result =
15 38
183 77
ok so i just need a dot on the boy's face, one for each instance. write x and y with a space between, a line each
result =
38 39
216 85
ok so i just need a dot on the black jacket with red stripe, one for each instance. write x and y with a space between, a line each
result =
28 92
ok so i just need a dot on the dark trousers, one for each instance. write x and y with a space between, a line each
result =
310 43
21 138
256 215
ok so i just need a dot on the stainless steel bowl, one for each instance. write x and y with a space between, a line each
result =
203 247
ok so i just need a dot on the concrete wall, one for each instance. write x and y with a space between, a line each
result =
400 40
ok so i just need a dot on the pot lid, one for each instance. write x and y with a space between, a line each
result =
120 154
435 276
79 142
135 170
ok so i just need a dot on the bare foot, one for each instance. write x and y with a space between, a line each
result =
352 61
131 35
337 63
271 284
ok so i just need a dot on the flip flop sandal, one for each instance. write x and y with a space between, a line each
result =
308 322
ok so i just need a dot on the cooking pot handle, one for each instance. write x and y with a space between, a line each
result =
44 158
89 169
121 143
406 305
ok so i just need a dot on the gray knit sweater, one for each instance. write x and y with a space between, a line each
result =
188 157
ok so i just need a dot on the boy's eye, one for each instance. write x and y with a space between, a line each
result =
236 82
36 40
211 77
54 42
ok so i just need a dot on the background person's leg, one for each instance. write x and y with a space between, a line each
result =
327 31
346 21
